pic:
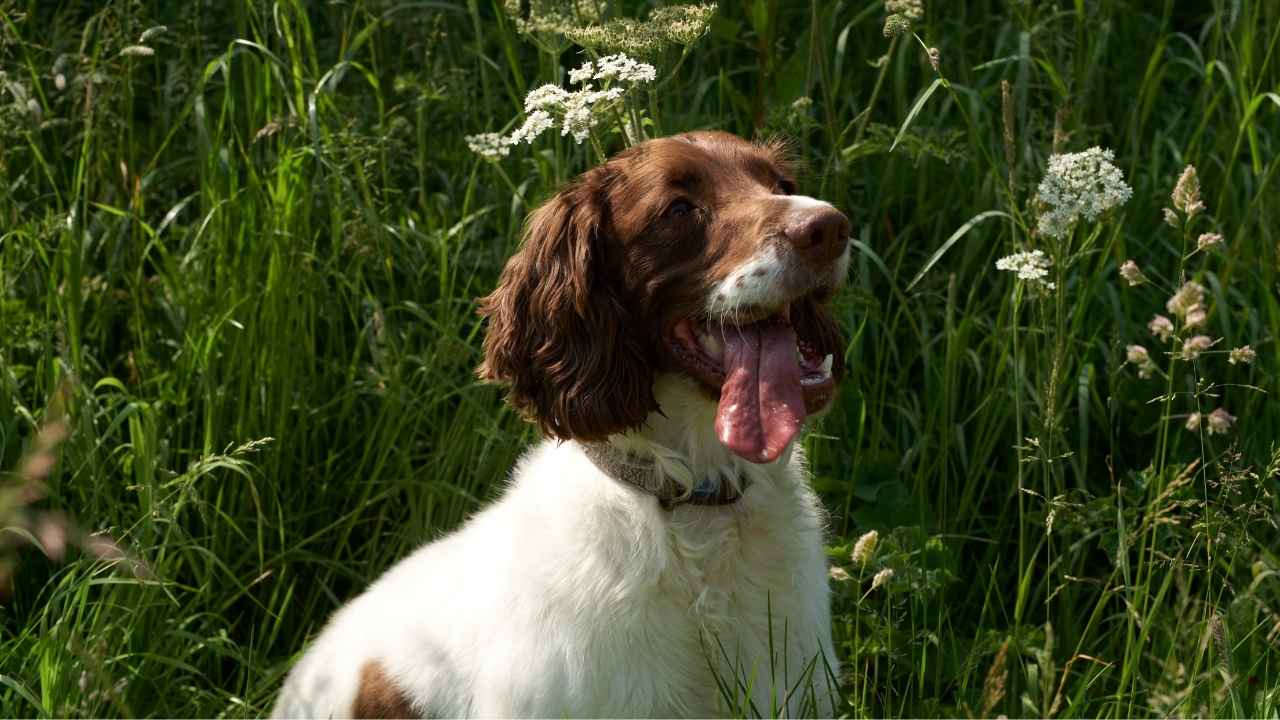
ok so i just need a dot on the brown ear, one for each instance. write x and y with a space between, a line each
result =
560 337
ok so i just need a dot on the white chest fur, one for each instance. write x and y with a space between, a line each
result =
575 595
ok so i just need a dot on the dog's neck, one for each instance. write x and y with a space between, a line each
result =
681 438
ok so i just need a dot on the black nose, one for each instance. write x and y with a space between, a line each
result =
819 234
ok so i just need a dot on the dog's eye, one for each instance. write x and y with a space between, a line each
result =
786 187
679 208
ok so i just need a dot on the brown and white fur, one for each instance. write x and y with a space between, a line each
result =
579 595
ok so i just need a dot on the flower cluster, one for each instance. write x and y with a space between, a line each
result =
613 67
578 111
1079 185
910 9
1138 355
1032 266
1132 273
670 25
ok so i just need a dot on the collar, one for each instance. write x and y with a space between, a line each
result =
641 472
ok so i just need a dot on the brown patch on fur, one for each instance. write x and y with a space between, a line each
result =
605 270
378 696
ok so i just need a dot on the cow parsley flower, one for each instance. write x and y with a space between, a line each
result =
1080 185
538 122
1032 266
614 67
490 146
545 97
1161 327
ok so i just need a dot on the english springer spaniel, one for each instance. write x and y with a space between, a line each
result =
659 553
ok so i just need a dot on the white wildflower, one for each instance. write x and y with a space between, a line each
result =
580 111
881 578
1193 346
621 67
137 51
582 73
614 67
538 122
1186 299
545 97
1208 240
1220 422
865 547
490 146
1080 185
1193 422
1132 273
1242 355
1032 266
1161 327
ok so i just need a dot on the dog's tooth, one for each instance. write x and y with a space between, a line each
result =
711 343
827 363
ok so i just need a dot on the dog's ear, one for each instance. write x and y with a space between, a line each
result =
560 336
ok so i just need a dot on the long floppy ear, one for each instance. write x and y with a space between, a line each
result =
560 337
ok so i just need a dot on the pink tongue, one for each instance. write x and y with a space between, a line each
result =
761 404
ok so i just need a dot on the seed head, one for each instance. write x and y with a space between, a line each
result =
839 574
1208 240
881 578
1196 318
1220 422
1132 273
865 547
1193 346
137 51
895 25
1079 186
1171 218
1193 422
1186 193
1161 327
1137 355
1187 298
1242 356
935 58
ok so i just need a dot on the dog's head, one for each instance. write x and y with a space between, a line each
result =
689 254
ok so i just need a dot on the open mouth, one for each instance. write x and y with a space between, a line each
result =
768 378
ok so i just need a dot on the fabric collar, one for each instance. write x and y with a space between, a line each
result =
641 472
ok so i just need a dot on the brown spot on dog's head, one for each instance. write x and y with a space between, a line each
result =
378 696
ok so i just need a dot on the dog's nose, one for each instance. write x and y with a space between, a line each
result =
819 234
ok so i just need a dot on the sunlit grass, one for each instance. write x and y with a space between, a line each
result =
244 265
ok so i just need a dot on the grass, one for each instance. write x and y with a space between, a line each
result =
240 272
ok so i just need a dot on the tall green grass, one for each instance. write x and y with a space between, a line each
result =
242 267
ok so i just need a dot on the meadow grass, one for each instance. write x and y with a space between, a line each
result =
240 244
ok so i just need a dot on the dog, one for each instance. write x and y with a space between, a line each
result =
666 324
